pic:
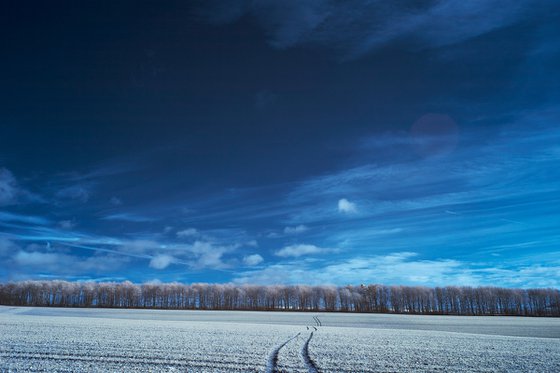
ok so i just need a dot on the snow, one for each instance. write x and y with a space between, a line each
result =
96 340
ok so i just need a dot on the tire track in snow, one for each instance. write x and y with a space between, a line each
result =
123 360
308 361
272 364
316 318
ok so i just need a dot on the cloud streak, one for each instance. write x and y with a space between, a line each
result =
298 250
357 27
9 189
403 268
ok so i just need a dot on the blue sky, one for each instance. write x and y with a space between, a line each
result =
282 142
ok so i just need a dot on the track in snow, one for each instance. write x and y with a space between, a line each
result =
317 321
120 360
309 363
271 366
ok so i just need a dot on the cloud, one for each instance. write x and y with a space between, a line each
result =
7 246
296 230
27 219
198 255
104 171
133 218
61 264
252 243
528 276
394 268
161 261
405 268
346 206
252 260
115 201
67 224
359 26
208 255
301 250
189 232
407 189
140 246
9 189
35 258
77 193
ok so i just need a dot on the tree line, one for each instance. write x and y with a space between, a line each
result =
448 300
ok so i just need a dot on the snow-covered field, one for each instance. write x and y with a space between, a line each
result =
101 340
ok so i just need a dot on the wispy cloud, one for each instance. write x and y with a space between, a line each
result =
27 219
186 233
455 211
9 189
394 268
302 250
129 217
79 193
32 262
161 261
67 224
357 27
7 246
296 229
404 268
100 172
115 201
208 255
12 193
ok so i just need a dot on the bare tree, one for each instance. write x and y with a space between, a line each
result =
364 298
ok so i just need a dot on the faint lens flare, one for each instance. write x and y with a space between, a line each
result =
434 135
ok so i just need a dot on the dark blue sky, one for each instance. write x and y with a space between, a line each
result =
409 142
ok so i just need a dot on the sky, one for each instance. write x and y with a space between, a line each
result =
311 142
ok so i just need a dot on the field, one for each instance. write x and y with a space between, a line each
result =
101 340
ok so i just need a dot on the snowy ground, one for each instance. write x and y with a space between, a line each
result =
90 340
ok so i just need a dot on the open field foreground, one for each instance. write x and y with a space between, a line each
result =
96 340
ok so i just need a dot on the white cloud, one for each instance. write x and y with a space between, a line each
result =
76 192
133 218
62 264
200 254
346 206
252 243
161 261
395 268
139 246
252 260
27 219
67 224
189 232
8 188
208 255
296 230
35 258
7 246
300 250
404 268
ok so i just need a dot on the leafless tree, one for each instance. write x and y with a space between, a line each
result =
363 298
